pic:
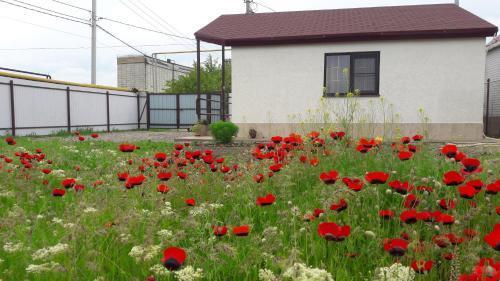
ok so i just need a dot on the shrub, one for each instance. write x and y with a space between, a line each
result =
223 131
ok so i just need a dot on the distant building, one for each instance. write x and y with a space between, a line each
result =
493 73
147 74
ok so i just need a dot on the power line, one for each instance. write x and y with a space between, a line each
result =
123 42
85 47
73 6
47 27
143 28
45 13
161 18
48 10
267 7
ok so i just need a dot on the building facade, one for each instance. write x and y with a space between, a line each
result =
492 115
147 74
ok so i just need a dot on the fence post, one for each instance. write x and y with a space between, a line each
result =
486 123
12 109
107 112
68 108
178 111
149 111
223 85
209 108
138 111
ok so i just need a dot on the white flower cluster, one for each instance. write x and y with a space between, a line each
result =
159 270
10 247
49 251
58 173
199 211
165 234
7 194
189 273
167 209
125 237
90 210
144 253
301 272
44 267
266 275
396 272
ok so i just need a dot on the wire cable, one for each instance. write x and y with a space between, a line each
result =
123 42
48 10
73 6
267 7
41 12
85 47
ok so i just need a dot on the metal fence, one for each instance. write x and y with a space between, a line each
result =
492 109
180 110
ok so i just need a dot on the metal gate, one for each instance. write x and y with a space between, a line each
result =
179 111
492 109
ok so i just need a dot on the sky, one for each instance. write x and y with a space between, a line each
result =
40 43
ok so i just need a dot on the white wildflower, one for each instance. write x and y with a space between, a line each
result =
57 220
10 247
396 272
90 210
189 273
165 234
199 211
301 272
167 209
266 275
159 270
49 251
44 267
140 253
39 217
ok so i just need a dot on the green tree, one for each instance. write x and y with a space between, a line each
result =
210 76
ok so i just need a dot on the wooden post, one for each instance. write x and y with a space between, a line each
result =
223 85
68 108
178 111
107 112
198 79
138 111
12 108
148 111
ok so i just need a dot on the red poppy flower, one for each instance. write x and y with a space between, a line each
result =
46 171
225 169
178 146
94 135
182 175
411 201
340 206
317 212
396 247
445 219
376 177
79 187
471 165
421 266
405 155
313 135
190 202
127 147
219 160
122 176
363 149
333 232
449 204
493 188
81 138
454 240
276 168
418 137
277 139
386 214
162 188
412 148
10 141
241 230
266 200
329 177
405 140
353 184
471 233
337 135
68 183
453 178
219 230
303 158
425 216
160 156
408 216
58 192
450 150
441 240
460 155
467 191
477 184
259 178
401 187
493 238
173 258
134 181
164 176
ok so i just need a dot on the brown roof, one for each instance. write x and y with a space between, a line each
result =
397 22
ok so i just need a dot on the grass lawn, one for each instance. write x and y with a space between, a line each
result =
102 230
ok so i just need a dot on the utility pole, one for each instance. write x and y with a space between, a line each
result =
94 45
457 2
249 6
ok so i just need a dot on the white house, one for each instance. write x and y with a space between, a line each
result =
493 74
424 60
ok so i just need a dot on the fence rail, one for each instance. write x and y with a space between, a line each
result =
491 118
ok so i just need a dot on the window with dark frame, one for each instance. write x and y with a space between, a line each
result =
352 73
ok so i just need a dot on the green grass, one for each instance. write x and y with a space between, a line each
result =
278 238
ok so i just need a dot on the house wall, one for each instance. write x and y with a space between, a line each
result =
493 73
282 86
